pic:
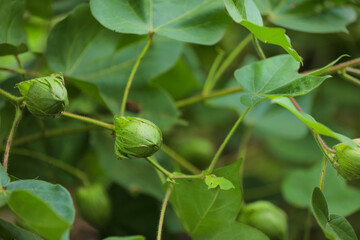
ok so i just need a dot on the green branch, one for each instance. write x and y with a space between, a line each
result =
163 209
89 120
209 82
17 118
258 48
132 74
199 98
10 97
21 67
226 140
171 153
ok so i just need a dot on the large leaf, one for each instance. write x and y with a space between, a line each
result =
8 231
202 210
196 21
299 184
135 174
45 207
12 35
91 53
125 238
308 15
276 76
312 123
335 227
235 231
246 13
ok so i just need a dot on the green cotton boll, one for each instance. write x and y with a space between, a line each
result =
266 217
347 160
136 137
94 204
45 97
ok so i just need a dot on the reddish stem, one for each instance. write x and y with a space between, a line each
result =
297 106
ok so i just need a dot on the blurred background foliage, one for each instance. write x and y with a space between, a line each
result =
282 159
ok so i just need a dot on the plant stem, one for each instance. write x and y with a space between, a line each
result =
132 74
322 173
171 153
187 176
258 48
18 114
163 209
199 98
353 70
23 71
237 50
159 167
51 133
350 78
89 120
55 162
21 67
209 83
11 97
226 140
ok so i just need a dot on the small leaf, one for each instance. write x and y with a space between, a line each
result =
8 231
196 21
308 16
12 36
323 69
334 226
311 122
276 76
212 182
246 13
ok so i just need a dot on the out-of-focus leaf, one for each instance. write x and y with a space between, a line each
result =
196 21
179 81
308 15
41 8
299 184
8 231
12 36
125 238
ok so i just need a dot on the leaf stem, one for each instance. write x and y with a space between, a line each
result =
350 78
163 209
22 71
159 167
183 162
242 151
237 50
10 97
17 118
226 140
199 98
322 176
209 83
132 74
89 120
55 162
258 48
21 67
353 70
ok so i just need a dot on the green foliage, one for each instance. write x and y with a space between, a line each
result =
334 226
179 72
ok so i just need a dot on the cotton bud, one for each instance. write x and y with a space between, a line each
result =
266 217
45 97
94 204
347 160
136 137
